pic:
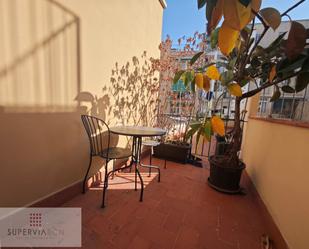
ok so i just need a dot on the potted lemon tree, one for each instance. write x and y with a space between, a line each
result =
244 61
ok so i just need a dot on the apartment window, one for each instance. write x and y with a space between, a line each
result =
293 106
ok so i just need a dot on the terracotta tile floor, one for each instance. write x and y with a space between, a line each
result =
179 212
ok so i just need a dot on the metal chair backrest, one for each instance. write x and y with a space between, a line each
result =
97 130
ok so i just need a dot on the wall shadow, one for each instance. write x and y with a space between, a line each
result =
43 145
129 98
134 92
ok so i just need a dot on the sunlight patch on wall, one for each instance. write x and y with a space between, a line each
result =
39 63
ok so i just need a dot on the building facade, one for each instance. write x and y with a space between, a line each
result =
289 105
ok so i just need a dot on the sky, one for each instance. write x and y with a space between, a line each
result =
181 17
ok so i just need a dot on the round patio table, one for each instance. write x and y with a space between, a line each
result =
138 132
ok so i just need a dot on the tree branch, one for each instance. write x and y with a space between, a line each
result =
292 7
259 17
242 65
266 85
266 28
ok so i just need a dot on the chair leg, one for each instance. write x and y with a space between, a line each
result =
113 174
135 188
131 163
165 163
105 185
159 175
150 162
85 178
142 185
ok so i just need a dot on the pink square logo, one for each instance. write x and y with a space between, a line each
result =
35 219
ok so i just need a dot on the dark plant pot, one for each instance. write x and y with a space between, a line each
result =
173 152
224 178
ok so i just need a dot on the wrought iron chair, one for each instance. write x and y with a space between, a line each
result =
99 138
152 143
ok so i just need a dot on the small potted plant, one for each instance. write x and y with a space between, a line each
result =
244 61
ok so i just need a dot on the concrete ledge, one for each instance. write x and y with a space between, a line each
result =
301 124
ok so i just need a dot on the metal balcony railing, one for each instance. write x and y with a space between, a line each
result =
290 106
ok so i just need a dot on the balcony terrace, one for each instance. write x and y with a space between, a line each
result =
61 59
180 212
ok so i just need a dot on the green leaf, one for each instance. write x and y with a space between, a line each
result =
200 131
266 69
232 63
177 76
287 89
201 3
243 82
271 16
255 62
302 81
195 124
287 65
185 80
245 2
222 64
188 78
194 127
214 38
305 67
208 131
226 77
190 133
266 66
276 95
193 86
195 58
259 51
